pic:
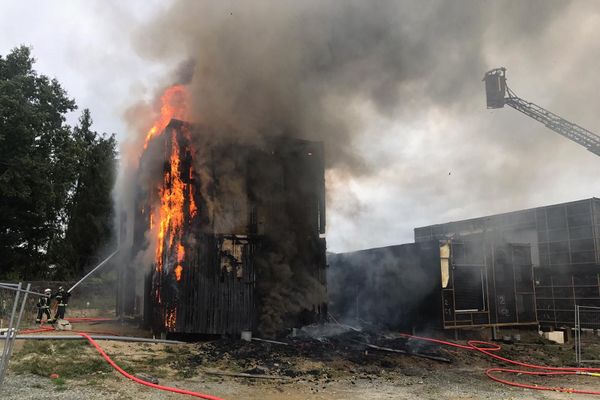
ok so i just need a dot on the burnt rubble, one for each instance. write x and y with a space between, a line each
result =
351 350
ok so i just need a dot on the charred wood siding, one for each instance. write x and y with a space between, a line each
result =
211 299
287 187
276 212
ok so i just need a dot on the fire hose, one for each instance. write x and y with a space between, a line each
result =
483 347
141 381
121 370
488 349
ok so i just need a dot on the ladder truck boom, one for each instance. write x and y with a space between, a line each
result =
499 94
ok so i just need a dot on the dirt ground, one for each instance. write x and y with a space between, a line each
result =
340 368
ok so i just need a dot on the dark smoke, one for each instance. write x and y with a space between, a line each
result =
280 184
309 69
290 68
321 69
337 71
389 287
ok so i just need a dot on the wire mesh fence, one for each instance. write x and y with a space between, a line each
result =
19 307
587 327
10 316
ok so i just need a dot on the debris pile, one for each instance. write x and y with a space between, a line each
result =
301 356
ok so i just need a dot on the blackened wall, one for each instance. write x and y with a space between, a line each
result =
287 190
395 287
255 251
434 284
565 247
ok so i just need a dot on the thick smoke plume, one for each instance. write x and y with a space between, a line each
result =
312 69
345 71
323 70
302 69
384 287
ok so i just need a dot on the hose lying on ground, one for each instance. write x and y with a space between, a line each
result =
119 369
485 348
538 370
143 382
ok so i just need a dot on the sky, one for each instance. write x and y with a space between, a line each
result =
426 149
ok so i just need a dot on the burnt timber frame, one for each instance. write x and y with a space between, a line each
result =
219 293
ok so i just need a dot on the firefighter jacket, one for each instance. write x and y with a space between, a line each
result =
62 298
43 302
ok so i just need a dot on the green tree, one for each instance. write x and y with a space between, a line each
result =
36 155
90 208
55 181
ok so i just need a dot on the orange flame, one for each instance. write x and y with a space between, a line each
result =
171 318
174 104
180 257
174 194
171 212
193 208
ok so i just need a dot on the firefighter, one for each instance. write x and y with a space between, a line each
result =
43 306
62 298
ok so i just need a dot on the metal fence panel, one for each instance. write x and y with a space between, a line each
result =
587 318
14 320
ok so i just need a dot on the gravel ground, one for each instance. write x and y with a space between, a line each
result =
453 385
419 382
339 374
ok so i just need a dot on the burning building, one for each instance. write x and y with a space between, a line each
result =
565 249
228 236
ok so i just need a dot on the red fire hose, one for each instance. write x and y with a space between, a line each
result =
28 331
143 382
538 370
485 348
91 319
119 369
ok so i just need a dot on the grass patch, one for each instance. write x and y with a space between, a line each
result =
151 365
93 382
68 359
171 362
78 359
175 349
59 381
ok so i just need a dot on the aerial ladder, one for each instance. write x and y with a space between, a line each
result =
499 94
